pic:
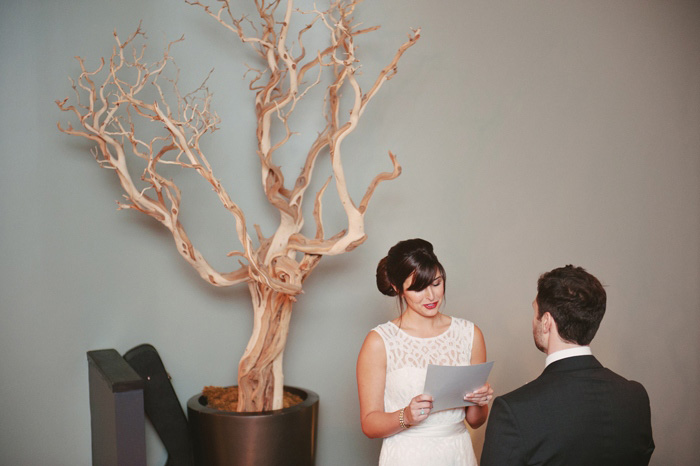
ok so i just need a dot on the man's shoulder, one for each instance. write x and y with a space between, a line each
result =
525 392
616 378
628 386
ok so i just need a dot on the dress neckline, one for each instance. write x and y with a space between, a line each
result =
452 321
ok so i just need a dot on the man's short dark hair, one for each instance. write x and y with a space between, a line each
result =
576 301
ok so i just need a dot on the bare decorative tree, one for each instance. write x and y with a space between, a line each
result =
113 100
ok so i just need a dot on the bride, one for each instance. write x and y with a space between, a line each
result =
393 361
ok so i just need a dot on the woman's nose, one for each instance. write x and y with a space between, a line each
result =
429 293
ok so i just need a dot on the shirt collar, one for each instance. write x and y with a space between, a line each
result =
567 353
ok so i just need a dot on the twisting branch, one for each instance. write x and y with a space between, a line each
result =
126 92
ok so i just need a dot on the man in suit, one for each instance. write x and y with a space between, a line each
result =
577 412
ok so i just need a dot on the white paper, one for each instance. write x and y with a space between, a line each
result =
448 384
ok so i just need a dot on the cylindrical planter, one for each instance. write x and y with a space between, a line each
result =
283 437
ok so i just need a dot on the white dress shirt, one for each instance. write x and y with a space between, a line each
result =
568 353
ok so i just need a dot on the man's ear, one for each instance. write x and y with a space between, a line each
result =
547 322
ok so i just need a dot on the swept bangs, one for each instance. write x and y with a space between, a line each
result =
425 273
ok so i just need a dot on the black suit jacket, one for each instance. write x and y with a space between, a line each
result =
576 413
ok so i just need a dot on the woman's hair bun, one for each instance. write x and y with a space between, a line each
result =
383 282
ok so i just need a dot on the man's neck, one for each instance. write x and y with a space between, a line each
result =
556 344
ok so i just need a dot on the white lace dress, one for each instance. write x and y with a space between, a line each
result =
442 439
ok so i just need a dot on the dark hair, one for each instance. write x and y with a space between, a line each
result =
409 257
576 301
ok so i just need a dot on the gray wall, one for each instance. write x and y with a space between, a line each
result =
532 134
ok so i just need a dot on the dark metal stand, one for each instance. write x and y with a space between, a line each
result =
116 411
162 406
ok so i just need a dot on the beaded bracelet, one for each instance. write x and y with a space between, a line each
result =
401 421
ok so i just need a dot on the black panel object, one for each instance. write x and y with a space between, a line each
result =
162 405
117 420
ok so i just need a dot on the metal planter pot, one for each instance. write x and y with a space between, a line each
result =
284 437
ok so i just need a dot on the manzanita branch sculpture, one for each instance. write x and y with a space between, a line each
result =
124 92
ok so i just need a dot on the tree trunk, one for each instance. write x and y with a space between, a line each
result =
260 379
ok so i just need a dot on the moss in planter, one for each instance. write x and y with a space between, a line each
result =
226 398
